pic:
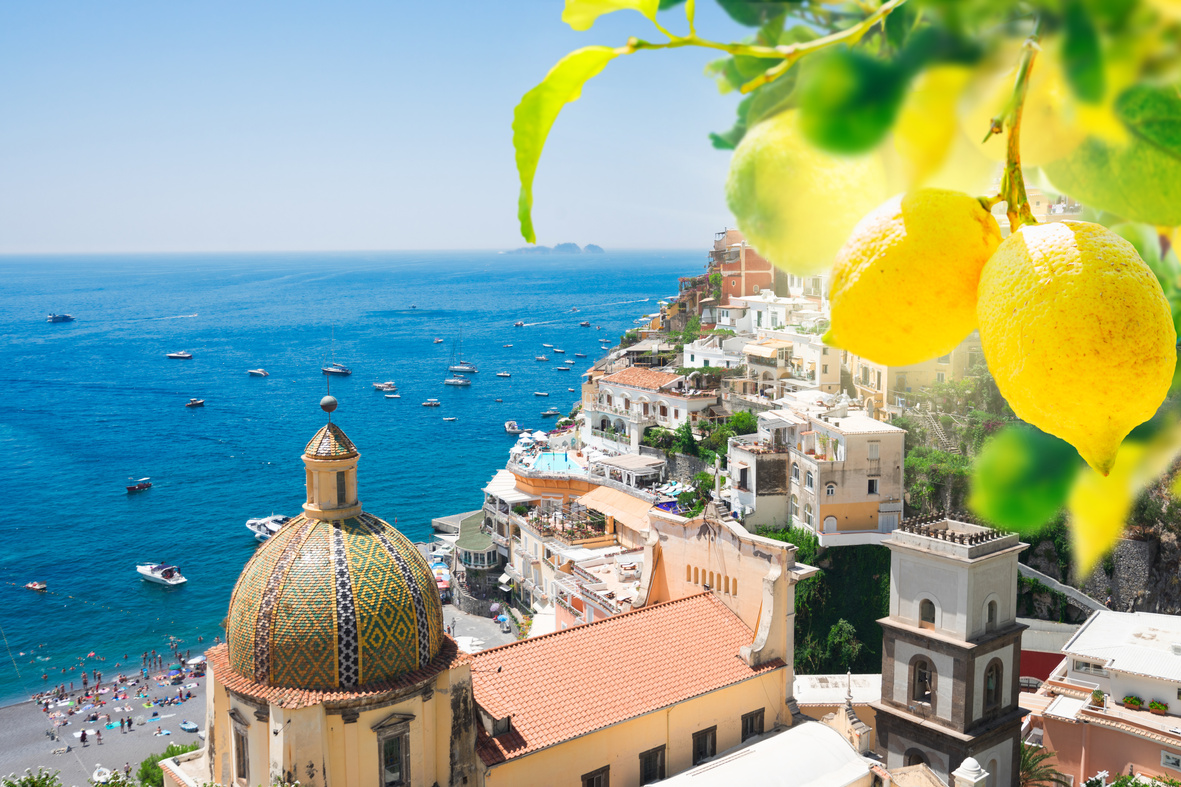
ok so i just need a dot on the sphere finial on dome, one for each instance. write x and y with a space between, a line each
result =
328 404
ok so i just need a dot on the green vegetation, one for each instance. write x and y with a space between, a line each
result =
691 333
41 778
935 480
837 610
1035 771
149 773
629 338
715 285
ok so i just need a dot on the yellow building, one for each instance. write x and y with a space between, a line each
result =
892 388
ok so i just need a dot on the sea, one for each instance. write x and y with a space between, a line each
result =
90 405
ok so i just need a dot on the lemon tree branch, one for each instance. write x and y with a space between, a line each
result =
1013 181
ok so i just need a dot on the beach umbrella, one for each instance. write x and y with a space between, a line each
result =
494 608
196 660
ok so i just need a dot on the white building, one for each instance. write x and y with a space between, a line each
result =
1129 653
629 401
721 352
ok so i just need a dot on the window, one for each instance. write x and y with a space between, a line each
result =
759 322
599 778
692 358
688 574
241 760
914 757
696 580
940 377
927 614
652 765
875 450
752 724
873 486
990 616
704 744
795 472
676 413
808 480
341 499
1092 669
706 363
795 507
945 358
824 368
923 678
808 514
992 686
830 490
395 759
879 381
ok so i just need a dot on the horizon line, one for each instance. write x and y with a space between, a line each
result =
177 252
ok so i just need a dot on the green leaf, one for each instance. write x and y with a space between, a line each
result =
772 98
848 100
1022 478
539 108
755 13
1153 112
1082 57
730 139
899 24
581 14
667 4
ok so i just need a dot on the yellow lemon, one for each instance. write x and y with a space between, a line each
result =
903 288
794 203
1077 333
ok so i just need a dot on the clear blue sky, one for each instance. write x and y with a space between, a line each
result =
188 126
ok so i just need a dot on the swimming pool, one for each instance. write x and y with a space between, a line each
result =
550 462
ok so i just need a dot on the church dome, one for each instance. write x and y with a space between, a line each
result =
328 604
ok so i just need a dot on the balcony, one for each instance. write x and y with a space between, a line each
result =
498 539
614 437
873 467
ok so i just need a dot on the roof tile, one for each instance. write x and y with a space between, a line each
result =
637 377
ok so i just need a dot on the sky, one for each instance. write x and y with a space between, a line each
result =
256 126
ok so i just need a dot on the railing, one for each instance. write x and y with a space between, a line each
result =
561 601
873 467
612 436
498 539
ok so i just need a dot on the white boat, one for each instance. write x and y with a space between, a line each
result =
182 355
561 368
540 358
438 340
393 396
571 390
547 346
458 364
452 418
508 345
519 324
265 527
559 350
337 368
161 574
258 372
550 412
457 379
512 428
503 374
540 393
431 403
388 385
579 355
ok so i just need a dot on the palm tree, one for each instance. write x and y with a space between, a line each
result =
1036 772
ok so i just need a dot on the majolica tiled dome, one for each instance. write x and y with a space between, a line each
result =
334 604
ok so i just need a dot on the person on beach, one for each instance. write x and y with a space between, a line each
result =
83 737
127 769
122 727
98 736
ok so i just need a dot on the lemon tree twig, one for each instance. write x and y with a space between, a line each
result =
1013 181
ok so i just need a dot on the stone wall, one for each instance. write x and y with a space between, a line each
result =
682 468
1130 582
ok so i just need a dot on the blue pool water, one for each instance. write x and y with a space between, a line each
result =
550 462
89 404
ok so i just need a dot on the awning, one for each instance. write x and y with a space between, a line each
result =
504 486
759 350
504 579
442 583
628 511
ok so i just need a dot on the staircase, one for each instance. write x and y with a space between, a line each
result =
932 423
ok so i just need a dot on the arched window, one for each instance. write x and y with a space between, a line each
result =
830 489
927 614
990 616
795 471
695 579
914 757
688 573
795 507
807 514
992 685
923 682
808 480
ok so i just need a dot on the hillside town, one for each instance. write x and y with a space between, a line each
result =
648 556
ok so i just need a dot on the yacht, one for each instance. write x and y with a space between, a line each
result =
579 355
195 403
540 358
431 403
35 586
457 379
571 390
59 318
265 527
452 418
540 393
550 412
337 368
438 340
559 351
561 368
458 364
393 396
519 324
500 400
547 346
508 345
139 485
584 324
182 355
161 574
388 385
503 374
258 373
512 428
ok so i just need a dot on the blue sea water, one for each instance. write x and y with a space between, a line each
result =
90 404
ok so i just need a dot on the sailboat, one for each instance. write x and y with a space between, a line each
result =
334 367
458 364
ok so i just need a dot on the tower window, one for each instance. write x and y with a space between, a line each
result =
395 760
927 614
241 759
992 686
340 489
923 679
990 622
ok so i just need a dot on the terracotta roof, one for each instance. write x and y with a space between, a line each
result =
638 377
330 443
555 687
449 656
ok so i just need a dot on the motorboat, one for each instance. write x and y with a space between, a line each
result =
540 393
140 485
36 586
579 355
258 372
438 340
584 324
59 318
452 418
393 396
503 374
388 385
550 412
458 364
508 345
500 400
573 309
547 345
182 355
431 403
519 324
457 379
561 368
265 527
571 390
559 351
337 368
195 403
512 428
161 574
540 358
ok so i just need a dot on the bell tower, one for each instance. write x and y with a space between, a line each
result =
330 460
951 650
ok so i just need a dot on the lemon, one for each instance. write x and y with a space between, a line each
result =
903 288
794 203
1077 333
